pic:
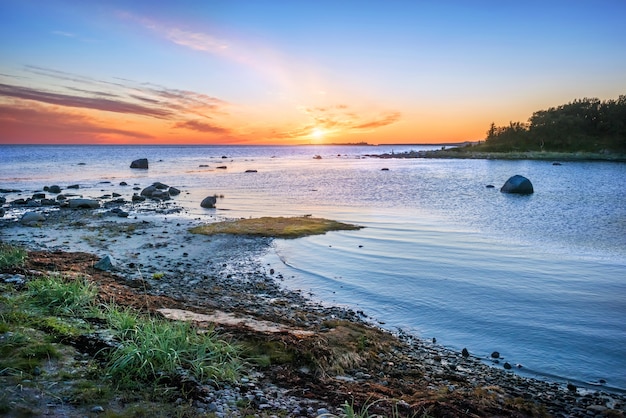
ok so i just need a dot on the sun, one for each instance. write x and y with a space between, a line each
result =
318 133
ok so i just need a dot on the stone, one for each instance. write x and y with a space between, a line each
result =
209 202
495 354
148 191
3 200
73 186
141 163
465 353
32 219
39 196
251 171
54 189
160 185
83 203
173 191
517 185
123 183
106 263
138 198
1 212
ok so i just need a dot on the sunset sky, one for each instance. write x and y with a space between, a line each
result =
297 71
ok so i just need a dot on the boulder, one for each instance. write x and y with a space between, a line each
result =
106 263
39 196
54 189
518 185
84 203
160 195
173 191
32 219
209 202
141 163
137 198
148 191
160 185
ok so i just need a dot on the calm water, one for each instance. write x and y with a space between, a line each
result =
540 278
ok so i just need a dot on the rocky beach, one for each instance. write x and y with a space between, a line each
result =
139 252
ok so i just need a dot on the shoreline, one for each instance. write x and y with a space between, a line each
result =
461 153
204 273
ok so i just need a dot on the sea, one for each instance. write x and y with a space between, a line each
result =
541 279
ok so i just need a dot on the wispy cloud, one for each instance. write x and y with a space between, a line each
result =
195 40
199 126
95 103
120 96
341 119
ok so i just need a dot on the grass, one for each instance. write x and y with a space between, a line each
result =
11 256
277 227
153 349
150 357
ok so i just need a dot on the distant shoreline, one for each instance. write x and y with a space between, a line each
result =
529 155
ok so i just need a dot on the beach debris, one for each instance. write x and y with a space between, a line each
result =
517 185
229 319
208 202
141 163
32 219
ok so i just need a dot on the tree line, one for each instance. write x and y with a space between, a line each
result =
584 125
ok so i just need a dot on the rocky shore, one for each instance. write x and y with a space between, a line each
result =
154 264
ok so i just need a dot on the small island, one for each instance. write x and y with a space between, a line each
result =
276 227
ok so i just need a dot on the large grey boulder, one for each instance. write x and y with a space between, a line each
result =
83 204
209 202
518 185
32 219
141 163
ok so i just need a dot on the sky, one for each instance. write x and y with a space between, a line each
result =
297 71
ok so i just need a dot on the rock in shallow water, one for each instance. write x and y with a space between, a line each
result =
517 185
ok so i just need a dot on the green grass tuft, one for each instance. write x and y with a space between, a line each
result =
11 256
61 297
152 349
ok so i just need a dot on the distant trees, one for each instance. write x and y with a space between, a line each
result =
587 125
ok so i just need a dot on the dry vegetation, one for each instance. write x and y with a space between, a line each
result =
276 227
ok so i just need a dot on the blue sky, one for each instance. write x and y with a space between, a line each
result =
298 71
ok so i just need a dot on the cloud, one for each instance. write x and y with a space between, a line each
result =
40 123
340 119
199 126
121 96
95 103
196 40
382 121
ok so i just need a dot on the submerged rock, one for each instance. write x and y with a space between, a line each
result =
518 185
209 202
